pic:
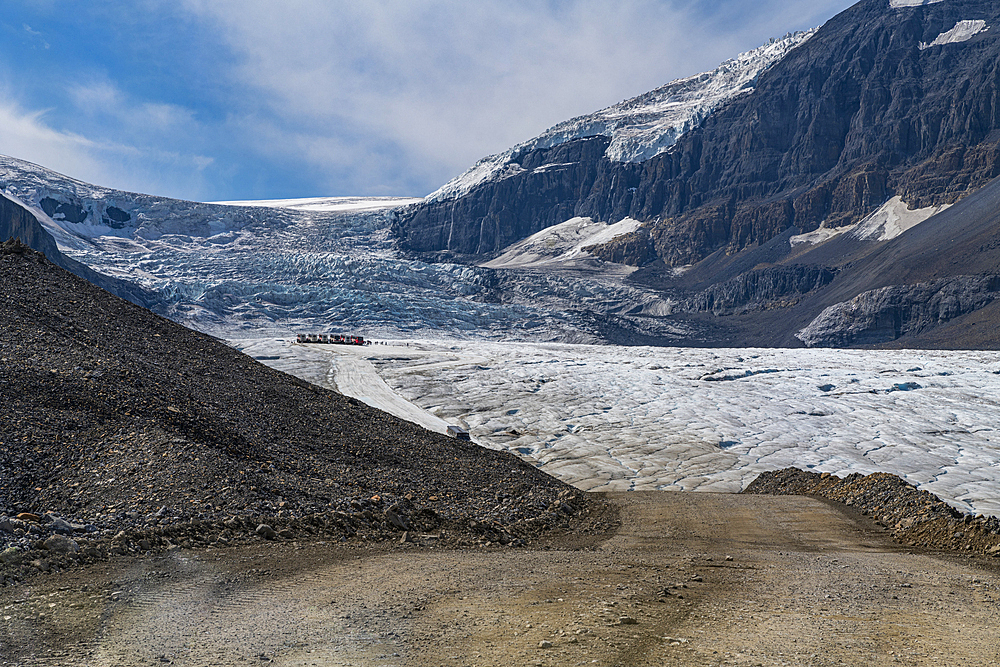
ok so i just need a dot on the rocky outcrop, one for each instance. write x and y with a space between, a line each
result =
77 212
854 115
540 189
772 287
885 314
18 222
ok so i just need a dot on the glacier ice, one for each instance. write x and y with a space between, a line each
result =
320 264
614 418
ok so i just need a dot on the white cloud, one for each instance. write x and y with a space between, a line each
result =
26 135
106 103
359 97
451 81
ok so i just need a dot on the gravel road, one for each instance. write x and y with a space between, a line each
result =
685 579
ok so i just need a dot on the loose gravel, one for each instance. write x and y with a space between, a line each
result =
915 518
122 432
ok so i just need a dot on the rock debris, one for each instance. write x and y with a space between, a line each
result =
122 432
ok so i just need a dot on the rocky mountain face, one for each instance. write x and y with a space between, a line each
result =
863 109
752 216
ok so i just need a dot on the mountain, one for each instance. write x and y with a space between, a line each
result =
542 182
323 264
865 127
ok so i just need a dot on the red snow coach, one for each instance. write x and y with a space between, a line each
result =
332 339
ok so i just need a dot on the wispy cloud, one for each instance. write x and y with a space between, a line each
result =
239 99
37 35
448 82
25 134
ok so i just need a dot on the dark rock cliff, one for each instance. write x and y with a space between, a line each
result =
856 114
544 190
16 222
888 313
772 287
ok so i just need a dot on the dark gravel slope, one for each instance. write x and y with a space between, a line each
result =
115 417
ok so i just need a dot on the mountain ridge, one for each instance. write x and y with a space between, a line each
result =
828 134
886 102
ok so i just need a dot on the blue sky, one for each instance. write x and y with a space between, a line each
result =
251 99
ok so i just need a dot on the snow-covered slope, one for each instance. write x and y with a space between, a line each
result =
329 204
562 245
901 4
962 32
644 126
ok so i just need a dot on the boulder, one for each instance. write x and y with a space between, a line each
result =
11 556
60 544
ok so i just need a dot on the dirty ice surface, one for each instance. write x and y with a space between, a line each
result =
619 418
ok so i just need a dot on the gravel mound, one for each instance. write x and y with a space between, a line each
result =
123 432
915 518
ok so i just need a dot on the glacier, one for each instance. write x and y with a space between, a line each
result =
638 418
320 264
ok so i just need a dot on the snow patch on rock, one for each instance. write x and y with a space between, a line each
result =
962 32
889 221
821 235
642 127
561 244
900 4
892 219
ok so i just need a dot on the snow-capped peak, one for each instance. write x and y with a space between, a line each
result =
644 126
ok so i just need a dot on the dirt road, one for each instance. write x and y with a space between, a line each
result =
687 579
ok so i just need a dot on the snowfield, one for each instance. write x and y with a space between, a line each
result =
329 204
562 246
617 418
